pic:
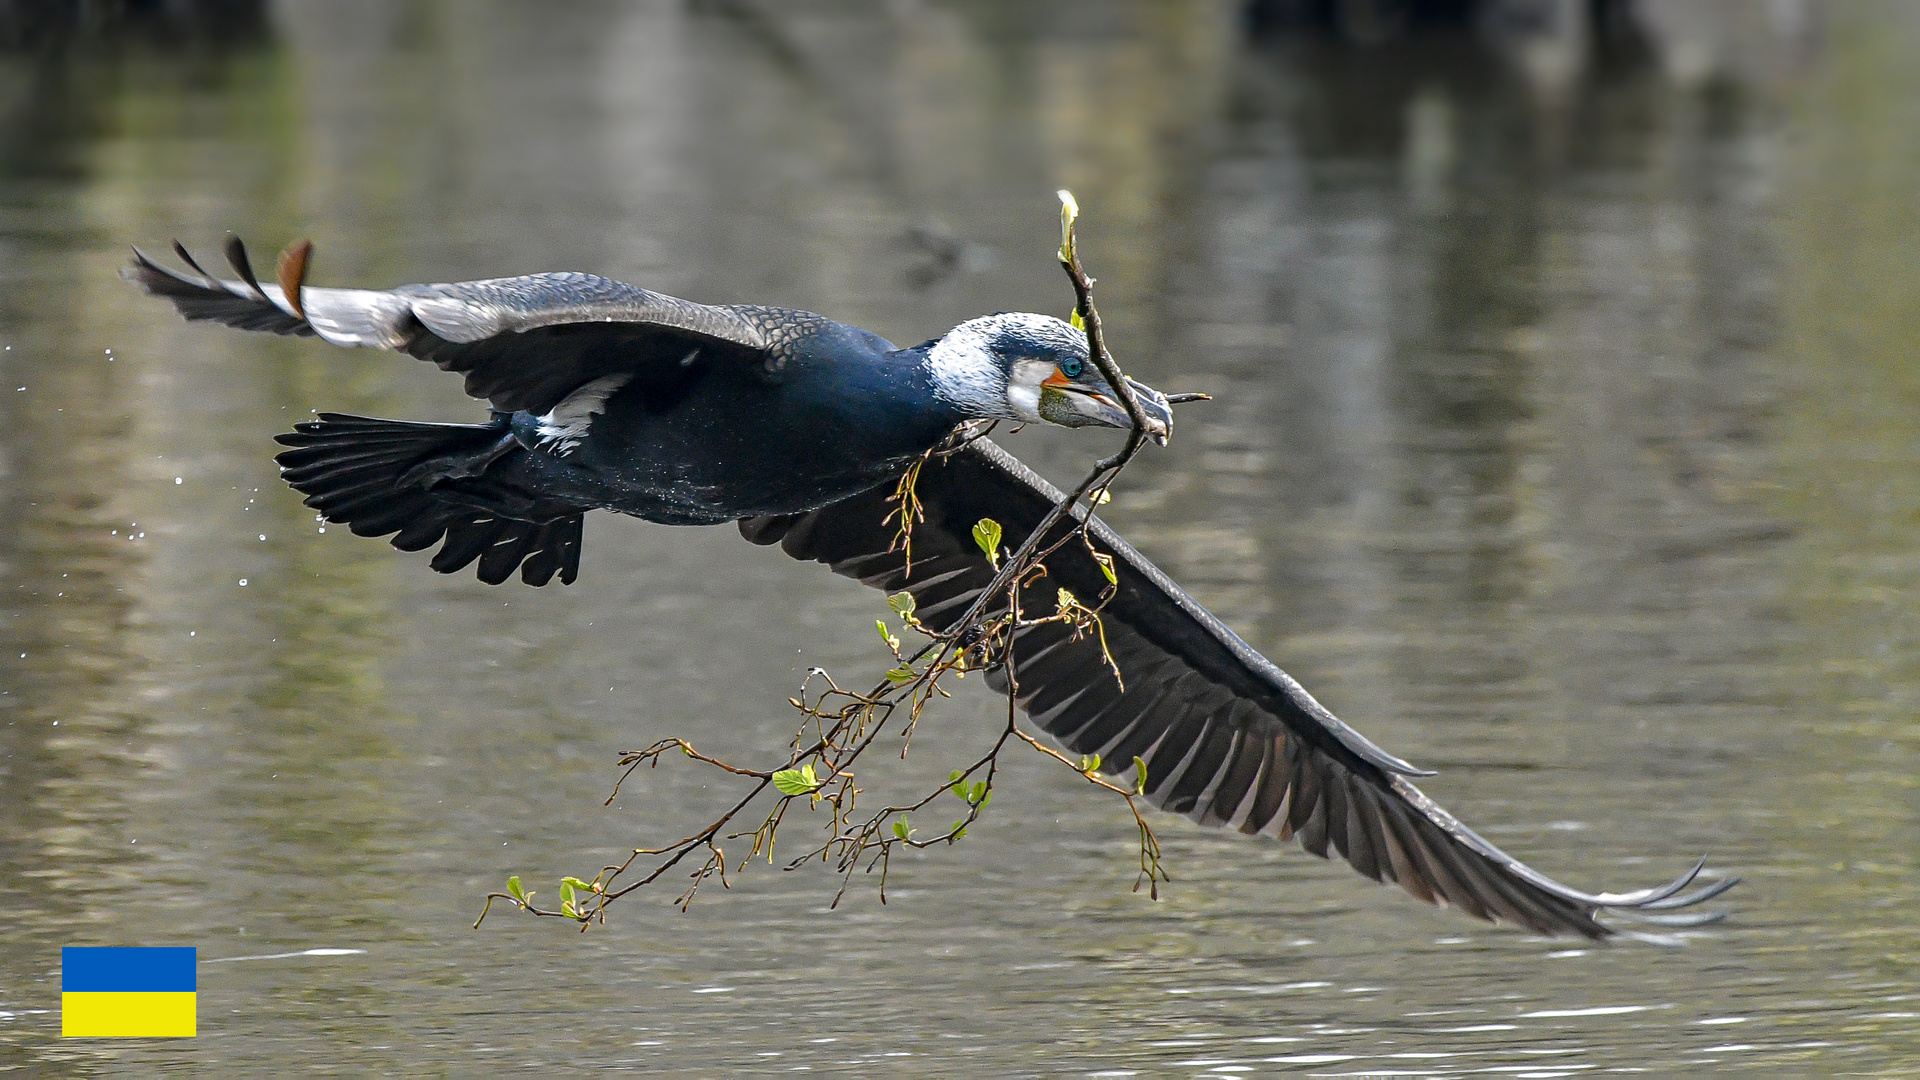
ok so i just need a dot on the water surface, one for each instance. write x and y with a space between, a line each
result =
1564 441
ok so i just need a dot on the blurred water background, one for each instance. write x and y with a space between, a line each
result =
1564 439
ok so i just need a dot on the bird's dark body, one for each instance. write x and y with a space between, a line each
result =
706 440
608 396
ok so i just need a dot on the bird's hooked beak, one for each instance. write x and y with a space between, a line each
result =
1089 400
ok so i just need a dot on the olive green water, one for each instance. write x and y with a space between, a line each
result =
1566 438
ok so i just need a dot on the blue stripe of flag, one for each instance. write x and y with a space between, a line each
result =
122 970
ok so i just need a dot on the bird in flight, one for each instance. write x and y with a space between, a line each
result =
606 396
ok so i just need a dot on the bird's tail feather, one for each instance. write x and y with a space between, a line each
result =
424 482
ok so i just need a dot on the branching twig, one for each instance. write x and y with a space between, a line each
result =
840 725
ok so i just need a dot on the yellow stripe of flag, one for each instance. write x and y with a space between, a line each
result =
127 1014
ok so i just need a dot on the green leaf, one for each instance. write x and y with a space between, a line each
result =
887 635
1073 317
902 604
796 781
583 886
1106 567
566 895
986 533
954 776
1090 763
1102 497
959 829
900 830
902 674
1139 776
515 890
1067 601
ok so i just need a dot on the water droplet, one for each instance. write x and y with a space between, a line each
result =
193 633
243 582
323 528
178 480
263 536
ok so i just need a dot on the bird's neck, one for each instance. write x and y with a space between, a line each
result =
917 389
881 408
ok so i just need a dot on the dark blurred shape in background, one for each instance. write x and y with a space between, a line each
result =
40 25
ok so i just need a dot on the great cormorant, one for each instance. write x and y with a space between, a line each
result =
608 396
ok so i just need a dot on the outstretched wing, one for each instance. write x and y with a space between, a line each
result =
1227 737
522 342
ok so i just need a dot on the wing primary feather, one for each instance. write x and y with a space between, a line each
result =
1333 796
1244 770
1270 788
1405 874
1150 730
1099 729
185 257
1201 771
1440 872
237 256
1365 809
292 272
1359 846
1546 912
1306 790
1168 760
1680 900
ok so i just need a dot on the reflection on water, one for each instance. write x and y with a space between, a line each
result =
1562 441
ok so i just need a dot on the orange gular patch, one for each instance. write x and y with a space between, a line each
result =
1057 380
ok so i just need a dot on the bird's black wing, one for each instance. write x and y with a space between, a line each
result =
522 342
1227 737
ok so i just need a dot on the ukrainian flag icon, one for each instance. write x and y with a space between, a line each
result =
139 993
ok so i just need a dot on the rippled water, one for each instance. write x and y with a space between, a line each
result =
1564 440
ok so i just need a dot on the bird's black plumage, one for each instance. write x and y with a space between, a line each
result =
609 396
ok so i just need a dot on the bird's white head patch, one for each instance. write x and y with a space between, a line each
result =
993 366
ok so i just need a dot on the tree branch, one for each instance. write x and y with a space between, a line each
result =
844 724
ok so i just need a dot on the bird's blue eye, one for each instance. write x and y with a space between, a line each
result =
1071 367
